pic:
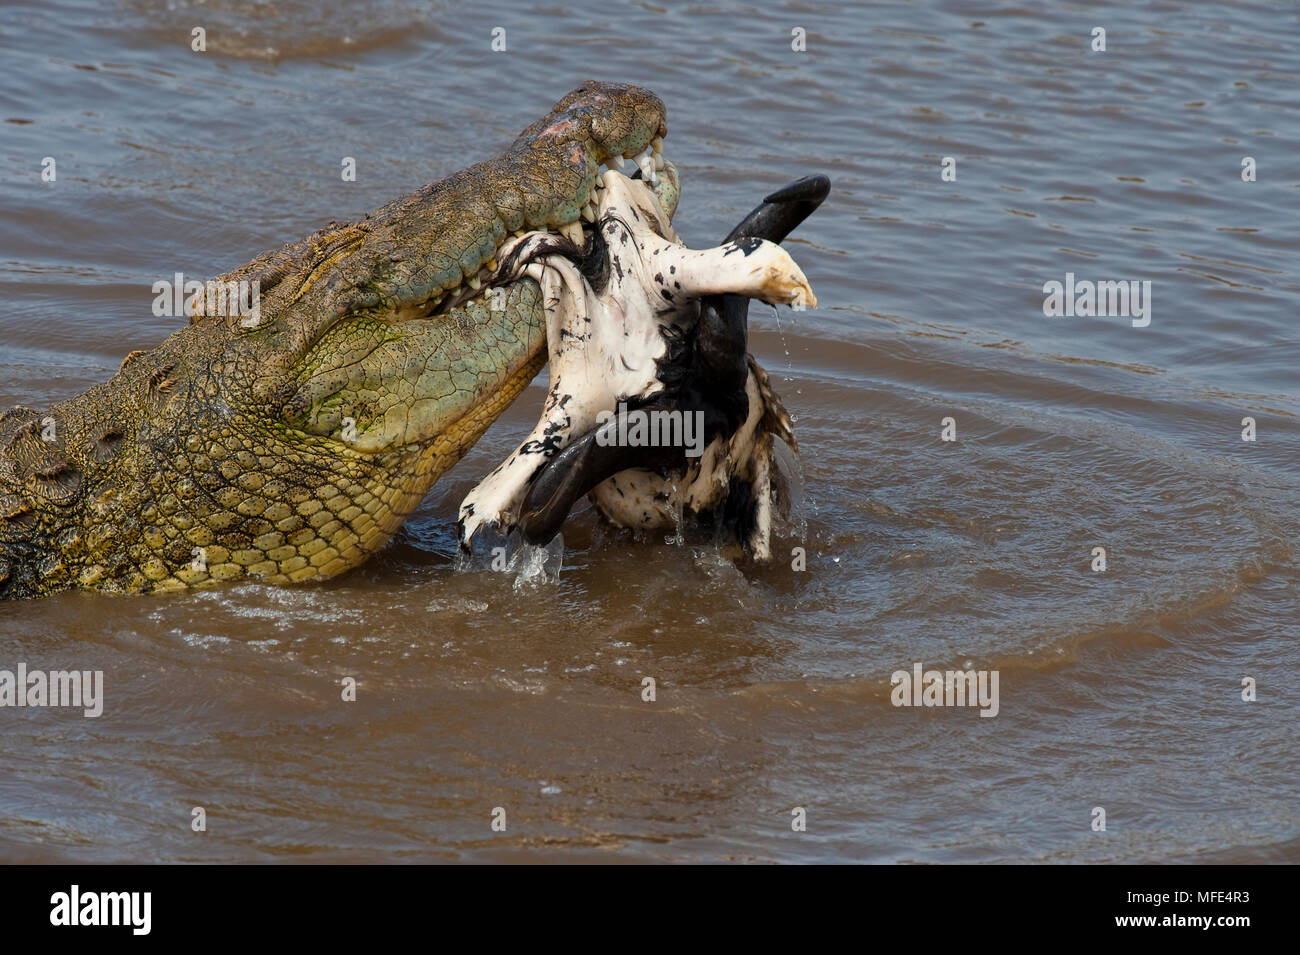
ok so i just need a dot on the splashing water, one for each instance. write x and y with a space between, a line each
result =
535 565
678 536
530 564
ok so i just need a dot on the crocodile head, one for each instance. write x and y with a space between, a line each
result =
290 441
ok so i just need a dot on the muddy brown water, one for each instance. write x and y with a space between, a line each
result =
1119 689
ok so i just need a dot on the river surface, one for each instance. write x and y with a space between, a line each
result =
1118 689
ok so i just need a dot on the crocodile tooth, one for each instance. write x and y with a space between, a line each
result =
659 162
474 283
657 144
492 264
588 213
646 163
573 232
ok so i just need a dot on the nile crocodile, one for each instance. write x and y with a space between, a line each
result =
292 444
294 447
